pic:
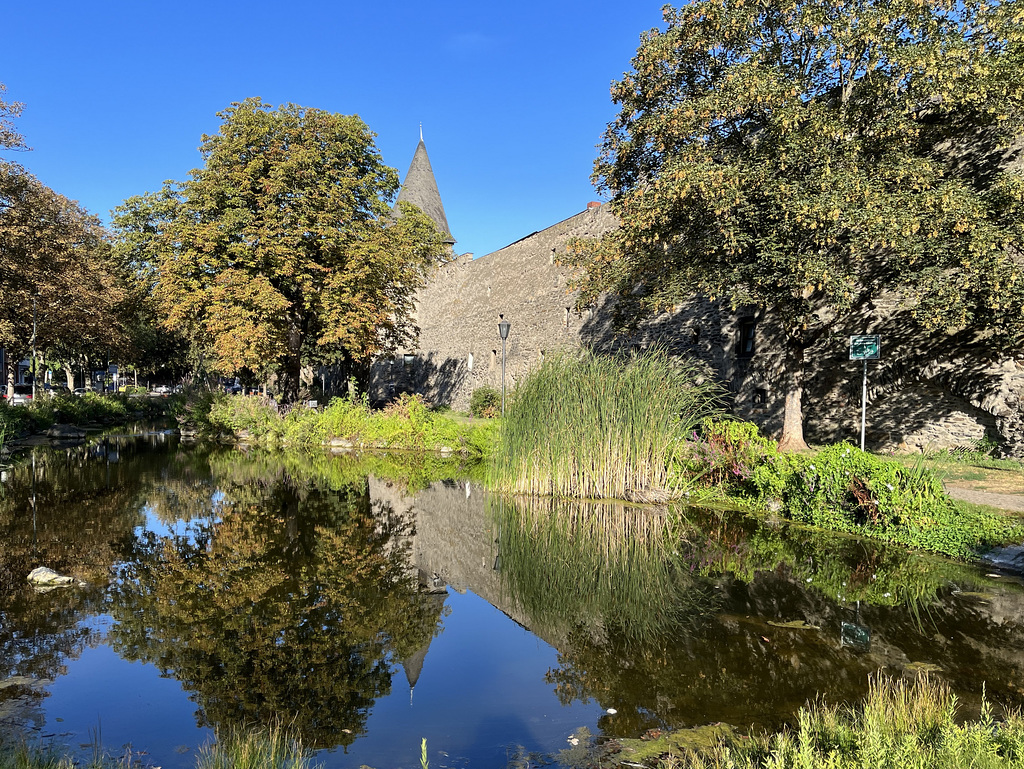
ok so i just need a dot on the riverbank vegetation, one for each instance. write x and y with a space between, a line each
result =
596 426
271 748
645 427
91 408
348 423
902 724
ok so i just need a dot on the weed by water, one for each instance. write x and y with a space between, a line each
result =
596 426
901 725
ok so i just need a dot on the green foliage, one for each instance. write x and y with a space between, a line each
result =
596 426
281 251
785 156
901 725
485 402
723 455
407 424
845 489
268 748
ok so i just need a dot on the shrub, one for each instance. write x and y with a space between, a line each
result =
845 489
725 454
485 402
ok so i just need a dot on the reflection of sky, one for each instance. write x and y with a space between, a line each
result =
480 694
180 528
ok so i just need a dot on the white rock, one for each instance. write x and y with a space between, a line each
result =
43 576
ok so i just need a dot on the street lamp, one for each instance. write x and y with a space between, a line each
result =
503 329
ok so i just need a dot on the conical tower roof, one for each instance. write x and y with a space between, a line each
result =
420 189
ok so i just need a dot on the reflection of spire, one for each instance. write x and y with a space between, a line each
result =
413 664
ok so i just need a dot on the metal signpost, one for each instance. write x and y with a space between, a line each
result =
864 347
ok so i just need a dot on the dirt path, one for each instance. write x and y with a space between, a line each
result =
1013 502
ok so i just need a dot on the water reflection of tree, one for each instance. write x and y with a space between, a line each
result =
286 605
67 509
743 669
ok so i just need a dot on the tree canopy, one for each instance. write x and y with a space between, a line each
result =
806 156
281 251
56 272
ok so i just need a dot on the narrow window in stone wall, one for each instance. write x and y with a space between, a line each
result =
469 361
760 396
408 361
745 341
551 258
541 356
494 359
567 317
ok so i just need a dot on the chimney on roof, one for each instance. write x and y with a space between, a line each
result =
593 205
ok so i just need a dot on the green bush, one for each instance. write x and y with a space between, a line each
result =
485 402
724 454
845 489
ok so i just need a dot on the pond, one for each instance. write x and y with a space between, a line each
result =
371 602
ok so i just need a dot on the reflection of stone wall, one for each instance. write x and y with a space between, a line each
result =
927 391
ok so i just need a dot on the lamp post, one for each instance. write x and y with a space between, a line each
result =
503 329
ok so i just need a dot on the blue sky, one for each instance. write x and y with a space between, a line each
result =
513 97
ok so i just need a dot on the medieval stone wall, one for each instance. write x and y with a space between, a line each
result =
927 392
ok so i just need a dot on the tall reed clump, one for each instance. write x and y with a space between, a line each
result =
269 748
599 426
902 725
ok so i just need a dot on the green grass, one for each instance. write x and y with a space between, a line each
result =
596 426
269 748
901 725
407 424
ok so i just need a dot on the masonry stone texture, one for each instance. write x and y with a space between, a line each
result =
927 392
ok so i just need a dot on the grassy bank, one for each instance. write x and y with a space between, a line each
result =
647 428
90 408
901 725
406 424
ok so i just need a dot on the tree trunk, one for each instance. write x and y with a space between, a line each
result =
12 371
291 371
69 376
793 422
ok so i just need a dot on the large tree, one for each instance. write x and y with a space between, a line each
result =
281 251
806 156
57 274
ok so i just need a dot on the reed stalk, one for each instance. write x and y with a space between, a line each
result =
601 427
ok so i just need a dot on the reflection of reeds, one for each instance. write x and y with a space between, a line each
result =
593 426
569 564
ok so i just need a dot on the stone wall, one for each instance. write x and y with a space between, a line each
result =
928 391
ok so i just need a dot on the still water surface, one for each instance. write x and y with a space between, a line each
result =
371 603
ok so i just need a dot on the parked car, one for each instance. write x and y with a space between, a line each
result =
22 395
79 391
56 389
161 390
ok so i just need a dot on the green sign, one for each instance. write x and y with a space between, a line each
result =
865 347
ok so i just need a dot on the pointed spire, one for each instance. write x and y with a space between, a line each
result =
420 189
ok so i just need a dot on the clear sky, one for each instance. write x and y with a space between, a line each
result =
513 96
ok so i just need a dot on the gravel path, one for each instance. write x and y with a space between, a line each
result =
1013 502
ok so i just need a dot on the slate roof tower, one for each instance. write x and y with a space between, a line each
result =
420 189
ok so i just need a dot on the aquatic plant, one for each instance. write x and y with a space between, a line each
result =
601 427
407 424
901 725
269 748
